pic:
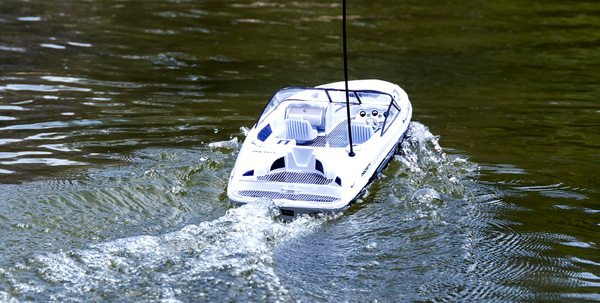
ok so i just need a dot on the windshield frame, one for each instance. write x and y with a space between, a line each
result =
284 94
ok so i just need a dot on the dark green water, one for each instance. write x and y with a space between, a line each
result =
121 120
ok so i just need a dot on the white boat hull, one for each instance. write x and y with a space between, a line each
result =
298 153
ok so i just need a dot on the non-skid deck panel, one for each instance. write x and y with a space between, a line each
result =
337 138
296 177
293 197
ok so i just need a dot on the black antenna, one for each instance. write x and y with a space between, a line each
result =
351 153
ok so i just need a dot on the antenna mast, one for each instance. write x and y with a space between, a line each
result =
351 153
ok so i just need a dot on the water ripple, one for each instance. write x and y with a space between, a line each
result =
12 107
5 171
53 124
8 141
79 44
53 46
30 19
553 191
46 161
42 88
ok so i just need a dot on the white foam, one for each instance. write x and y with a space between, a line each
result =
239 244
423 161
232 144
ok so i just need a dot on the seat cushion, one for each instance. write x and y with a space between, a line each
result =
361 133
300 130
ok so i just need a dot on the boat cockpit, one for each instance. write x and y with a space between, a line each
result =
317 117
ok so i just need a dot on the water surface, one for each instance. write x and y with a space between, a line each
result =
121 120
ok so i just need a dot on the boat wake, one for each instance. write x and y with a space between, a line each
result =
424 222
230 257
423 177
408 238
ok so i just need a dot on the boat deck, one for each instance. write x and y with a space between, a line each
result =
337 138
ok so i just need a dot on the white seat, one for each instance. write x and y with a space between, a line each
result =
299 130
314 114
361 133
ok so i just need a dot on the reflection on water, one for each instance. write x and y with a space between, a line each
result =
120 122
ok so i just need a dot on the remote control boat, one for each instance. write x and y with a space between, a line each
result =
317 149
